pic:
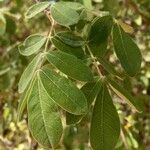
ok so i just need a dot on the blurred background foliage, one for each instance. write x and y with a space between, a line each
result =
14 28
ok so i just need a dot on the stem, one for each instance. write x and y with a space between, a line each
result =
94 61
124 140
49 35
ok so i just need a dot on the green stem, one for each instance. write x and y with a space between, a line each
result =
94 61
49 35
124 140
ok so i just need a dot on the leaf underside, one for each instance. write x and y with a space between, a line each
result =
105 124
43 117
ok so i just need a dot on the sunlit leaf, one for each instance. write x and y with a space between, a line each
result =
32 44
23 100
36 8
28 73
73 5
127 28
2 24
63 14
88 4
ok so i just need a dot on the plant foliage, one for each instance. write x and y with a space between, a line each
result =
71 73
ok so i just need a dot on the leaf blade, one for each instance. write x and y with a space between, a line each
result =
63 92
105 124
70 39
127 51
70 65
123 93
98 35
63 14
2 24
36 8
28 73
32 44
90 90
76 51
43 116
23 100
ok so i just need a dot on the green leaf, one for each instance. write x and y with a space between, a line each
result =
77 51
63 92
105 124
43 117
72 119
123 93
88 4
98 35
126 50
90 90
63 14
70 39
23 100
2 24
73 5
70 65
32 44
112 6
28 73
108 67
36 8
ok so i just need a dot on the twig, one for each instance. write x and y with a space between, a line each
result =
124 140
94 61
49 34
47 13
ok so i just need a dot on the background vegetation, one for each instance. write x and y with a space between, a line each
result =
14 28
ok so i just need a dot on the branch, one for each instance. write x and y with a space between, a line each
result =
94 62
